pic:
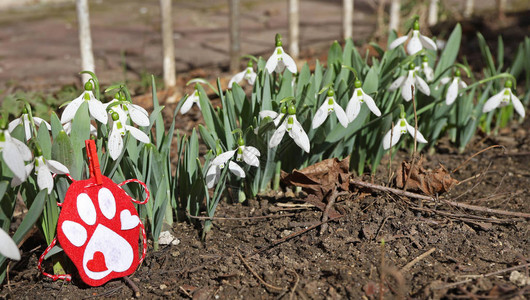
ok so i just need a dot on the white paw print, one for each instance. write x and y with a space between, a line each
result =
105 250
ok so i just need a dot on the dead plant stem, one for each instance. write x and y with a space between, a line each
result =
256 274
417 259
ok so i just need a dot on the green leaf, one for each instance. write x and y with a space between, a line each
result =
44 141
80 133
62 150
449 54
335 55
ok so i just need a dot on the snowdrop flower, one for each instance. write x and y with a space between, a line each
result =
456 84
296 132
188 102
408 82
276 117
279 60
118 130
426 69
95 107
248 74
327 108
8 248
43 170
392 136
417 41
126 109
24 120
503 98
248 154
14 154
358 97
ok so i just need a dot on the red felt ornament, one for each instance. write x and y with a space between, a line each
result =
98 227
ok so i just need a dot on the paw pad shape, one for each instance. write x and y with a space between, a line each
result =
98 229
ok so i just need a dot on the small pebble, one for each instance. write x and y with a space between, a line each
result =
167 238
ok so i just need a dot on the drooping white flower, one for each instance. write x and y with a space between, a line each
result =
118 129
359 97
276 117
408 82
8 248
329 106
126 109
44 169
218 164
417 41
248 74
68 128
392 136
279 60
296 132
503 98
14 154
24 120
456 84
188 102
95 107
426 69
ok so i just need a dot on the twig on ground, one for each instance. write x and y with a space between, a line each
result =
106 293
290 236
133 286
237 218
256 274
293 291
430 198
451 285
417 259
183 290
325 216
471 157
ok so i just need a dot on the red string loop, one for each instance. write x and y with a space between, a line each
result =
66 277
147 193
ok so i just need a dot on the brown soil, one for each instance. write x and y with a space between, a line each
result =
345 260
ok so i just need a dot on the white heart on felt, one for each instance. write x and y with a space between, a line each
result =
128 221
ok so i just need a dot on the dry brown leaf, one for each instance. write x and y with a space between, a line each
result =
429 182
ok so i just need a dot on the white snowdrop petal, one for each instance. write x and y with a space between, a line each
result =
250 159
320 115
13 124
115 144
353 108
57 167
299 136
23 150
371 104
414 45
138 116
422 85
8 248
463 85
236 78
97 110
45 179
277 136
341 115
406 89
493 102
427 43
138 134
272 62
289 63
268 113
419 136
236 169
452 92
188 102
212 176
86 209
397 83
13 160
252 78
223 157
395 43
517 105
71 109
252 150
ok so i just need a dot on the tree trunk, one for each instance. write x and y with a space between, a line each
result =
294 28
85 39
168 44
235 45
433 12
501 8
395 7
468 10
347 19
